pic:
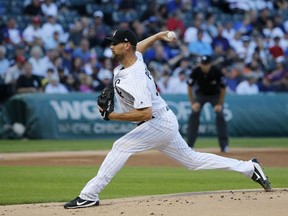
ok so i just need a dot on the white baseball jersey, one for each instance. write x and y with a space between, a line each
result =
135 89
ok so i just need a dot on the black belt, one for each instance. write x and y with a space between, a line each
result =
144 121
167 109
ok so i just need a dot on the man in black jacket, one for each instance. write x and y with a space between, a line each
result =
210 87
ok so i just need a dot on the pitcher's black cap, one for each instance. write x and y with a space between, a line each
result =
124 35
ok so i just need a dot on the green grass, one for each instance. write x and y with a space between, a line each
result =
60 184
102 144
53 145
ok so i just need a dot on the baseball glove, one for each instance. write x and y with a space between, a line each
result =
106 101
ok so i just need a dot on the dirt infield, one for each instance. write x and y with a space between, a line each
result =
220 203
272 157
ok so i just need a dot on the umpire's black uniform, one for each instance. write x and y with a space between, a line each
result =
209 84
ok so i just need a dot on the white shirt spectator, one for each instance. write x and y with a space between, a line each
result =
246 88
39 66
49 8
14 35
229 33
55 87
50 27
190 35
178 86
30 33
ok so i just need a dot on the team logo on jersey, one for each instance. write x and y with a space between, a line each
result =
117 89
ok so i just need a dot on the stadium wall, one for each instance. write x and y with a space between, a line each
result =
76 116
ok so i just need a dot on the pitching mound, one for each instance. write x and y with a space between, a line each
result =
219 203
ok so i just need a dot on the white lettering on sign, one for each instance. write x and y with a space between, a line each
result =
75 110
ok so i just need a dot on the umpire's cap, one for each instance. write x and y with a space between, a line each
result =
123 35
204 59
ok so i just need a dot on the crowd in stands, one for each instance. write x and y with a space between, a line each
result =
58 46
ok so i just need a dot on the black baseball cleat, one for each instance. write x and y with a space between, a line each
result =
259 176
80 203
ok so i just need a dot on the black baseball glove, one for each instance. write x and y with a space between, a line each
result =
106 101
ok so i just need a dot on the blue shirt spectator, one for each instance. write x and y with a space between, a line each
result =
199 47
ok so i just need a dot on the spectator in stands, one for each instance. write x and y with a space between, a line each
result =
261 54
190 34
210 26
139 29
184 65
12 33
165 83
14 72
277 79
236 42
175 23
220 40
158 57
66 56
179 83
4 64
48 61
234 75
27 82
72 83
150 11
49 8
54 86
246 50
83 51
276 50
52 42
33 9
162 15
200 47
104 77
244 26
248 86
279 22
50 27
271 31
229 32
127 7
263 16
36 60
33 31
85 83
77 67
101 29
75 33
174 5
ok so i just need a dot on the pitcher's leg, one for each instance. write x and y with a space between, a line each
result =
179 151
193 126
113 162
222 132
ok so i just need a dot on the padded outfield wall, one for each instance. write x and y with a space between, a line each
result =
76 116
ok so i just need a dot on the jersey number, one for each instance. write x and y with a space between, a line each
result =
148 74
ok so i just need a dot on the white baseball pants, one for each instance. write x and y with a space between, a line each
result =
160 133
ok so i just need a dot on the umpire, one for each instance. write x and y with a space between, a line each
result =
206 85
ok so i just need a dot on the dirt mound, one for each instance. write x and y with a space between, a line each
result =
219 203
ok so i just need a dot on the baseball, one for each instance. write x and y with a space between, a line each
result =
171 35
